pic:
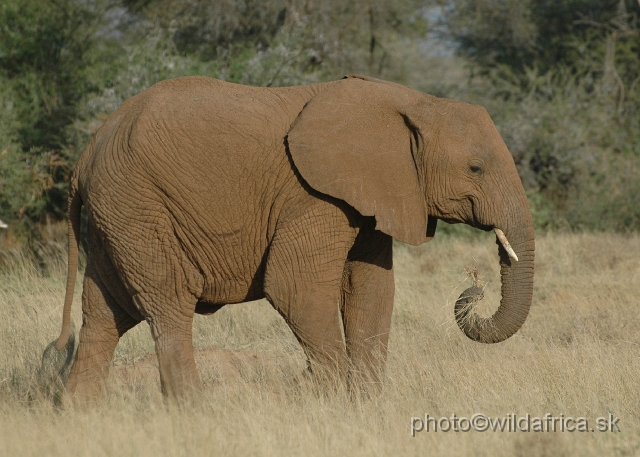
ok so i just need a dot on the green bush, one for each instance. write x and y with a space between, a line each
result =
50 57
559 77
560 80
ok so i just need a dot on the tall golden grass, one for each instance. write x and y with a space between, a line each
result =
577 355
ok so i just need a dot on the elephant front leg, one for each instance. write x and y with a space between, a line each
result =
302 281
368 290
312 311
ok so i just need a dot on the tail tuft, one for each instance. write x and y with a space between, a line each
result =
55 367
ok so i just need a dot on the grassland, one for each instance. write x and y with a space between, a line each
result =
577 355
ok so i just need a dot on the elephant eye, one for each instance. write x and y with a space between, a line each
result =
475 169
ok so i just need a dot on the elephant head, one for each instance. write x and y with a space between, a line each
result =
408 159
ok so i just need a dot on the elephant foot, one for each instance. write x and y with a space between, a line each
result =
81 394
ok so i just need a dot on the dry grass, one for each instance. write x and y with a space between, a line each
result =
578 355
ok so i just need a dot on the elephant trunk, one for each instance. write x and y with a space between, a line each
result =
517 292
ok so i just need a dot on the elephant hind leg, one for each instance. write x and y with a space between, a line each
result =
164 287
103 323
174 346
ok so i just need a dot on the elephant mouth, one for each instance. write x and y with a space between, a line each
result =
499 234
483 227
473 223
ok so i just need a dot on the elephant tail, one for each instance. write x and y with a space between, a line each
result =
75 205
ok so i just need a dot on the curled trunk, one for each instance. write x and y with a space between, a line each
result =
517 292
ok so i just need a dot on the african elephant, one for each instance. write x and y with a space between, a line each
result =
201 193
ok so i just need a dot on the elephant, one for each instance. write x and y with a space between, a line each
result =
201 193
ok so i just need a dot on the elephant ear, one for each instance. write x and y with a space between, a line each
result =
355 142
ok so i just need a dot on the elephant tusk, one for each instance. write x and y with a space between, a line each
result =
505 243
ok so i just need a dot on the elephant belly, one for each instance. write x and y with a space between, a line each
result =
207 308
160 258
214 301
236 287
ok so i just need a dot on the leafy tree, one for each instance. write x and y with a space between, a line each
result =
560 79
66 64
48 57
299 37
521 34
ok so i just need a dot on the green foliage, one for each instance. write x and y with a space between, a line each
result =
278 43
573 150
16 180
521 34
49 60
65 65
212 28
560 78
43 50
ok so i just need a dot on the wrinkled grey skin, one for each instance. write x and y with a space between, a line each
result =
201 193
